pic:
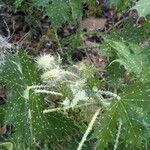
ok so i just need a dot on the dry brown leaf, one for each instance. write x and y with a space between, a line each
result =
3 130
91 24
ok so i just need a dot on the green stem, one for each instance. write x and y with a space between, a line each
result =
118 135
63 109
88 129
110 93
48 92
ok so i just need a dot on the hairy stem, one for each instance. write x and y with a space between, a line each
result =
111 94
88 129
48 92
63 108
118 135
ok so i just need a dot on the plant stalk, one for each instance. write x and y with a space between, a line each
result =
88 129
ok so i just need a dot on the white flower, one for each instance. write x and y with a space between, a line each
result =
45 61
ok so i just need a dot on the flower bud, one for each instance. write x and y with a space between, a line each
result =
52 74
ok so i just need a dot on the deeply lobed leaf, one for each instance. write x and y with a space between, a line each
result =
25 108
133 110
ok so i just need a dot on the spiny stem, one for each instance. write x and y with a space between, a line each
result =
63 108
36 87
37 90
118 135
48 92
88 129
110 93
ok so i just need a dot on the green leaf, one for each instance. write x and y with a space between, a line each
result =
24 108
132 34
128 34
76 9
133 111
128 55
145 75
64 11
114 75
72 42
2 114
58 12
8 145
40 2
106 129
124 47
119 4
18 3
142 7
